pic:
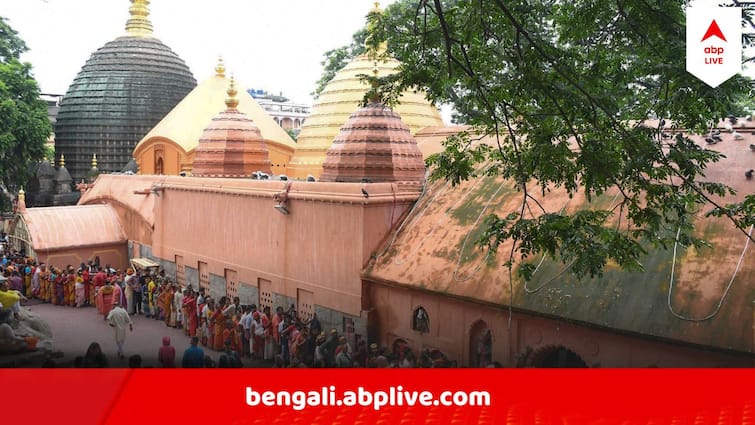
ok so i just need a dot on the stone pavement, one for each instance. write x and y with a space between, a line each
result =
73 329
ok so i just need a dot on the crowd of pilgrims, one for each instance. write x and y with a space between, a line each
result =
282 338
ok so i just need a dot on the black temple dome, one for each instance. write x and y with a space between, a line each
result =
124 89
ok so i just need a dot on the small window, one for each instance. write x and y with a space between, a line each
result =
421 321
231 285
265 294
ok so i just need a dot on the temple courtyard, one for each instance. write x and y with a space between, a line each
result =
73 329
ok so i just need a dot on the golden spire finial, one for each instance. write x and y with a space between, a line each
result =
139 24
374 93
220 67
373 46
21 205
62 160
232 101
94 160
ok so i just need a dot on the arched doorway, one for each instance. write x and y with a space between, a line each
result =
159 166
421 320
480 345
555 356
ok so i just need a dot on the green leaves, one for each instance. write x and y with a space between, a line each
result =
581 239
458 161
11 46
743 213
335 59
564 92
24 126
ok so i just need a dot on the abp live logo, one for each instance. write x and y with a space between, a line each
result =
714 43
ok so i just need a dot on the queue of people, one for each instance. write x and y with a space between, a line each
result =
89 284
281 338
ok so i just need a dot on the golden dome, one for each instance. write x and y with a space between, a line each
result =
185 123
340 98
178 134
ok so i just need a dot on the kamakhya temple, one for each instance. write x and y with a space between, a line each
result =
380 253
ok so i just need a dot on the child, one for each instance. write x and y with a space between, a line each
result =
167 354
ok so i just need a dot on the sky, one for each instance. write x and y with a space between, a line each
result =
271 45
276 45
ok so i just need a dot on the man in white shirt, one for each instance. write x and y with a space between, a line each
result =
118 318
246 323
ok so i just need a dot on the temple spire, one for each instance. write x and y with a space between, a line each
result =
21 205
94 160
374 95
232 101
139 25
220 67
375 47
62 160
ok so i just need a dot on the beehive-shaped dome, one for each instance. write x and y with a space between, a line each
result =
170 147
338 100
123 90
231 146
374 146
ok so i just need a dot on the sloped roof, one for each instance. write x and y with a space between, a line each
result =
185 123
64 227
120 188
435 251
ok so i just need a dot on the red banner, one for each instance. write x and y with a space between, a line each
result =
379 396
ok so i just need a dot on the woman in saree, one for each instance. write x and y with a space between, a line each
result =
219 322
80 290
105 298
190 313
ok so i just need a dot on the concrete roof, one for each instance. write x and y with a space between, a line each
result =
65 227
435 251
120 188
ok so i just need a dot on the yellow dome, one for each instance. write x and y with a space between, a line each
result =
340 98
172 142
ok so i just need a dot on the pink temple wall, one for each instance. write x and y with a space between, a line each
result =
321 246
451 323
116 255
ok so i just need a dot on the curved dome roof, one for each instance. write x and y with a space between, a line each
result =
231 146
124 89
338 100
186 122
375 146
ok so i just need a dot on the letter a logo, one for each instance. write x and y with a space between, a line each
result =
711 56
713 29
